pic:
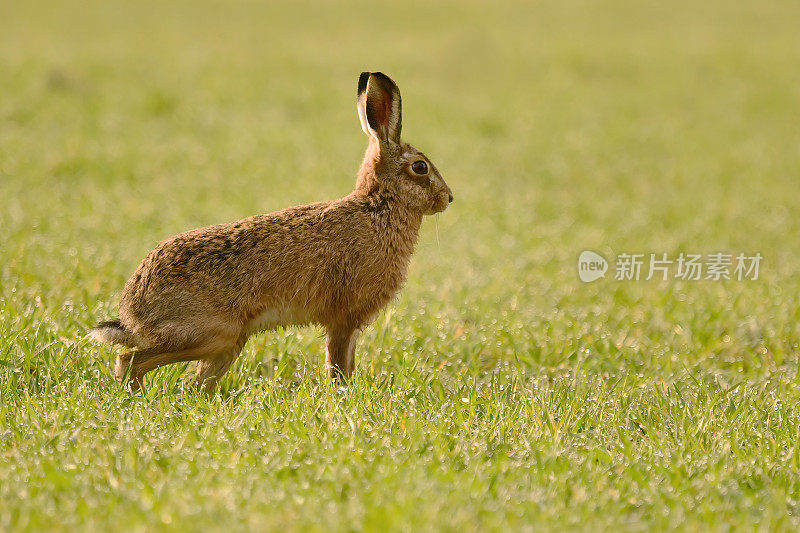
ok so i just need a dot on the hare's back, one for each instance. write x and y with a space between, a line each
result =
220 266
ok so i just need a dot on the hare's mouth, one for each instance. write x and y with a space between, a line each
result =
439 205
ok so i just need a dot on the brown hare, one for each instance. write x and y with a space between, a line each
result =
199 295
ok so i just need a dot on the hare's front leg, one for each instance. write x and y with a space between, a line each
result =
340 349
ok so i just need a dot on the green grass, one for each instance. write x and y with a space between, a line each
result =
498 392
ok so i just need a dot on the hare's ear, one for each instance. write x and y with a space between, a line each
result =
379 107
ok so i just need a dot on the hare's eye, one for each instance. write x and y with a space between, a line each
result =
419 167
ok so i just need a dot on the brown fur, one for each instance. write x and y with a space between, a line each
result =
199 295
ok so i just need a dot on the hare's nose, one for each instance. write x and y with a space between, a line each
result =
450 198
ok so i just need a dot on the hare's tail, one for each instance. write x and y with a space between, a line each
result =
112 332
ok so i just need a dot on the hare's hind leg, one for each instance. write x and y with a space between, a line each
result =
139 362
211 369
340 347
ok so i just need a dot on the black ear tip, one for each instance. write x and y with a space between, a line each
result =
384 78
362 82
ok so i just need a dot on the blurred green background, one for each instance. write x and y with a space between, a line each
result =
497 391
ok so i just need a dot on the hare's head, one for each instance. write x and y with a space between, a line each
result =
390 165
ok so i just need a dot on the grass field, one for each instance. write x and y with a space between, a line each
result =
498 392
